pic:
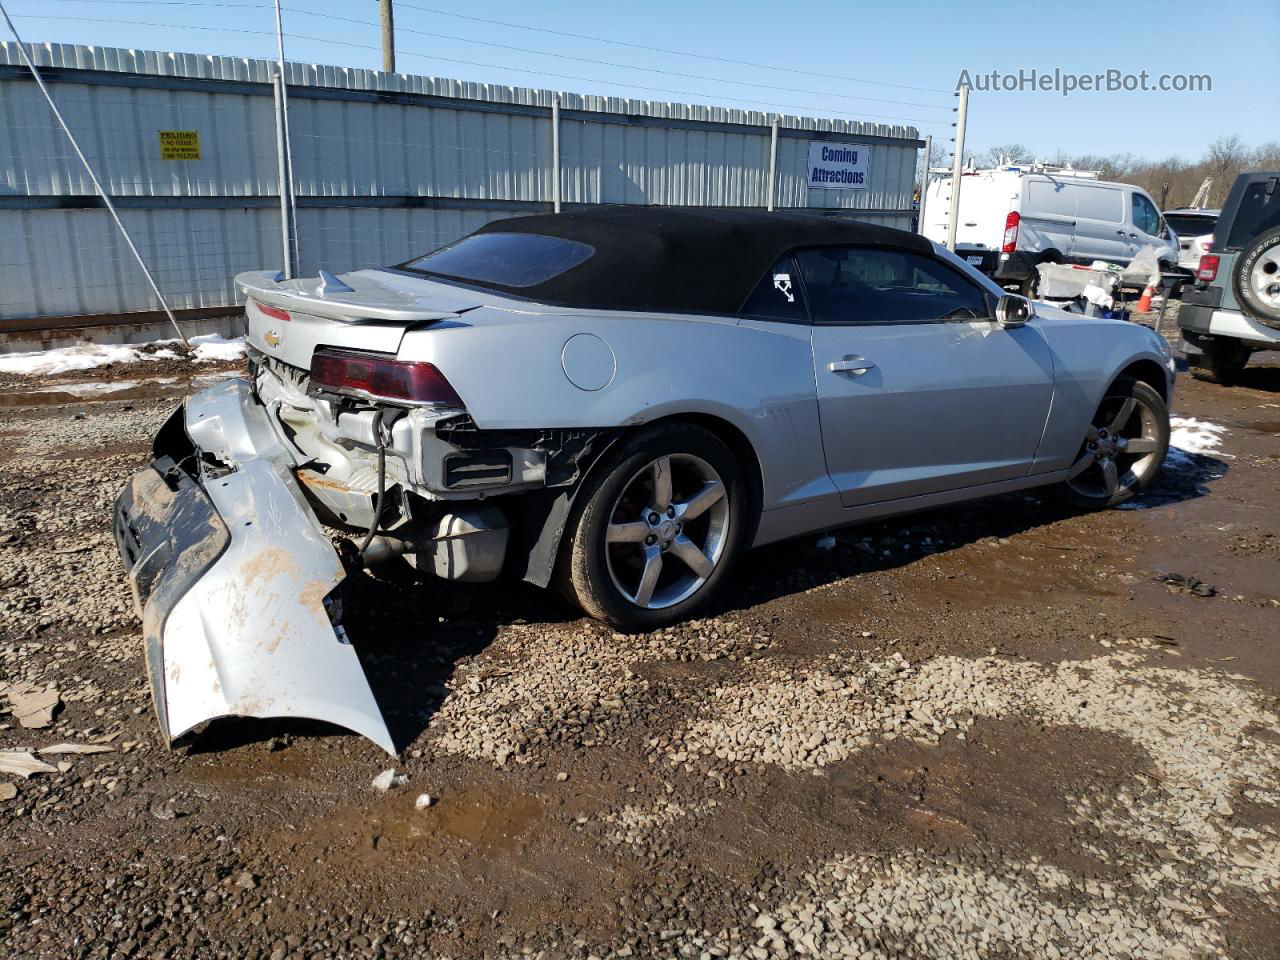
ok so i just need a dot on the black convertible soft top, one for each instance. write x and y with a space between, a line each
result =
701 260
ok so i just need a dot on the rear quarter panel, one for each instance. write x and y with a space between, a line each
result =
506 364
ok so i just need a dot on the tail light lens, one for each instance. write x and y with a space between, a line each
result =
1010 232
1208 271
381 378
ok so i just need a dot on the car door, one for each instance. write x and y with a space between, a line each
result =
1102 224
1149 226
919 389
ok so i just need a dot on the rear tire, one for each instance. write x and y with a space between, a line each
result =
1257 279
639 564
1221 361
1123 447
1030 285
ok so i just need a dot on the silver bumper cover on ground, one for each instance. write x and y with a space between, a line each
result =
234 578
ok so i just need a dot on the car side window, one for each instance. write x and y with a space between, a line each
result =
1145 216
778 296
877 285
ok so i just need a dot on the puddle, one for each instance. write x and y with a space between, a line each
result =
484 819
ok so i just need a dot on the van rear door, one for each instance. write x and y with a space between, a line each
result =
986 197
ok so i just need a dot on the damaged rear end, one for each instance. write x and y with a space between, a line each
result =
236 582
226 536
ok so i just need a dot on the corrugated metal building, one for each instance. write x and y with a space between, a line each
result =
385 166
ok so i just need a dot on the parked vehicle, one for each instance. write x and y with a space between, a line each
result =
1233 309
618 401
1016 216
1194 230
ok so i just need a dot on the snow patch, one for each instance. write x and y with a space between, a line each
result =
1190 435
206 348
213 346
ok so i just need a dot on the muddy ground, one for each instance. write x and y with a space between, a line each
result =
985 731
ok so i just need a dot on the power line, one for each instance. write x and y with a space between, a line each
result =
168 3
678 53
559 33
624 66
493 66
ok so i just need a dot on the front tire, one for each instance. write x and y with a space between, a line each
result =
1123 447
657 529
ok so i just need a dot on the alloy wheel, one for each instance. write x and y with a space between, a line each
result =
1119 449
667 531
1264 278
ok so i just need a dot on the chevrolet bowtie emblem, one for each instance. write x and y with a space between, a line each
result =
272 338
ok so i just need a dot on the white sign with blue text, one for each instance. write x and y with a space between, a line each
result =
839 166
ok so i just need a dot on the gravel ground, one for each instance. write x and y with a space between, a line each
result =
999 730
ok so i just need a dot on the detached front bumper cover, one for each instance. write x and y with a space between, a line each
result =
234 578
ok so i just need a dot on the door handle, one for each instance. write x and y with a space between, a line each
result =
856 366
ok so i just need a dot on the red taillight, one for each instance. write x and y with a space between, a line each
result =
1208 271
1010 232
369 375
275 313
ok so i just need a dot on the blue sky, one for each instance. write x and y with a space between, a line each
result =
900 46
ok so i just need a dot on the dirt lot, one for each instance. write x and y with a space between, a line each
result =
981 732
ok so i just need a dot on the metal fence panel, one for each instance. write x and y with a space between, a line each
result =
385 166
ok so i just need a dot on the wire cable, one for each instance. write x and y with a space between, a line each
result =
625 66
679 53
382 484
809 109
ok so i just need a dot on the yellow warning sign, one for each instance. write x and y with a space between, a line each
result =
179 144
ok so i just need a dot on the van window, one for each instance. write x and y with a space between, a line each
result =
1099 203
875 285
1145 216
1048 197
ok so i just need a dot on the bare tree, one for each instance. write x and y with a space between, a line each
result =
1225 158
937 158
1266 156
1005 153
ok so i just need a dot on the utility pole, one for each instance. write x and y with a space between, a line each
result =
962 114
555 152
924 182
388 38
290 229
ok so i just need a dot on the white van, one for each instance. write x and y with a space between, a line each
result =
1015 216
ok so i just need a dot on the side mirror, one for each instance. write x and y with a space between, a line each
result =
1013 310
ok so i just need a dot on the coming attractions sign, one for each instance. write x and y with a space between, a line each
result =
839 166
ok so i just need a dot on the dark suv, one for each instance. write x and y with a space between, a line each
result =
1233 308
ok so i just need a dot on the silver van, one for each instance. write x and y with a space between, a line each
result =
1016 216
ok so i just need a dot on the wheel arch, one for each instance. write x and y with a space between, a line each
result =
1149 372
743 451
546 514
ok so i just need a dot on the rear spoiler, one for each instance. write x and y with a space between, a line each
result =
354 298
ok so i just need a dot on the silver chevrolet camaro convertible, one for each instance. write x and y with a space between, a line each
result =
618 401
